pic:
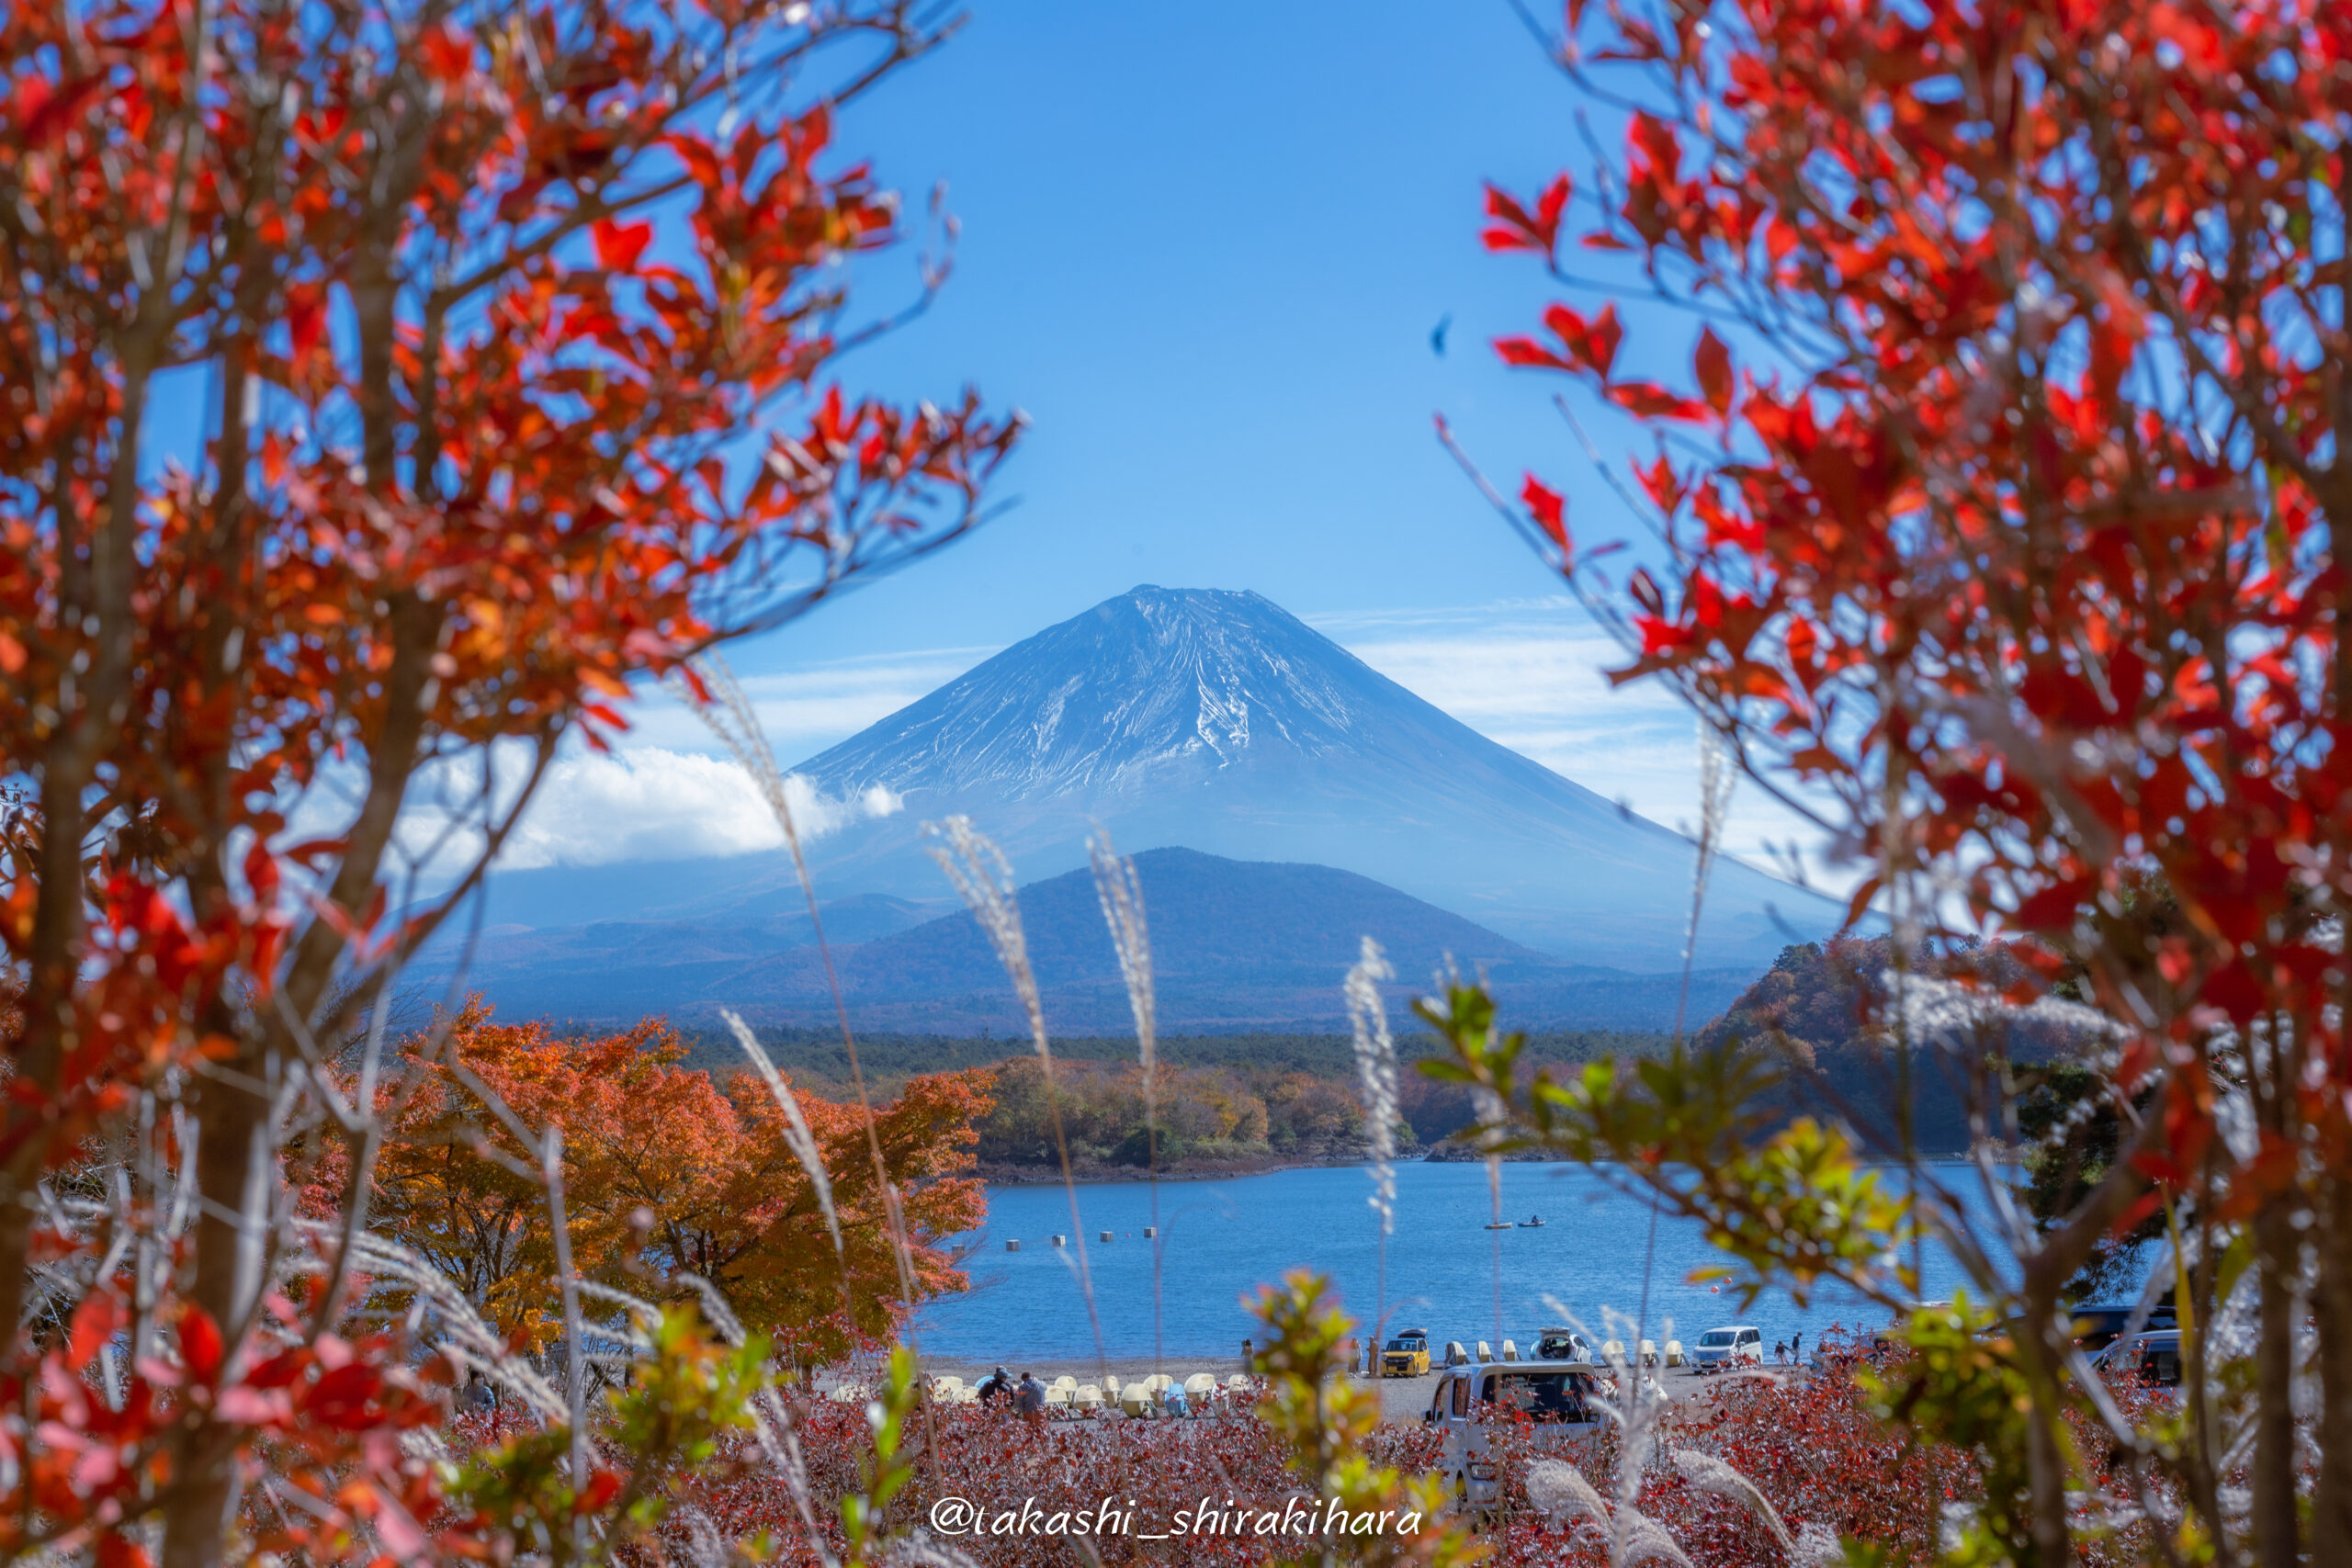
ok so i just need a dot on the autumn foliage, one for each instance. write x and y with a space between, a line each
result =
391 390
667 1171
1997 519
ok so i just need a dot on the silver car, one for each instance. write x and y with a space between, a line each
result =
1721 1348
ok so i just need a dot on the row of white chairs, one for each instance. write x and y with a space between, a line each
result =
1066 1395
1611 1351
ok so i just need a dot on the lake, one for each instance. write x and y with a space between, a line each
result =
1222 1239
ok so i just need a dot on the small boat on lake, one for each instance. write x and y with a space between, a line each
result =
1532 1222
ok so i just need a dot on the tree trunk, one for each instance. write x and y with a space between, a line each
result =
2332 1306
2046 1471
2276 1530
233 1125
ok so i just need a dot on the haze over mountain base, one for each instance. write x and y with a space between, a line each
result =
1235 945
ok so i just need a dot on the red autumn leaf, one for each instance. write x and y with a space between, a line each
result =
1713 364
1607 333
604 1485
619 245
2052 908
116 1550
1704 601
1526 352
1548 509
261 871
1517 229
1647 399
201 1351
45 110
1659 635
95 1322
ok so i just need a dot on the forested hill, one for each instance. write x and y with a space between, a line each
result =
1808 1013
1307 1082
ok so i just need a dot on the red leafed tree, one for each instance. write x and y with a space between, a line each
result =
388 389
667 1172
1999 525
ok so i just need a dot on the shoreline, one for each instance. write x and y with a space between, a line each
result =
1095 1174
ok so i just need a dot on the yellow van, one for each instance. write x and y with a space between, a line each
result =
1406 1356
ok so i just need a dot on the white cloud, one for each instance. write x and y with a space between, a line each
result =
636 803
1532 676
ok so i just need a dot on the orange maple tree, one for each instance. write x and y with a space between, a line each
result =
502 341
666 1171
1999 529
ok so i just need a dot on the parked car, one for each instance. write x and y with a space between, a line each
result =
1722 1347
1406 1355
1559 1397
2094 1328
1554 1343
2154 1356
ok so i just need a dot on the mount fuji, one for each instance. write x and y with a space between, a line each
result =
1217 722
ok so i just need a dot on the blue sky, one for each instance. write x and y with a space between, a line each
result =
1204 247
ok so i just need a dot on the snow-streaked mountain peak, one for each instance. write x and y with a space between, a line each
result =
1220 722
1155 683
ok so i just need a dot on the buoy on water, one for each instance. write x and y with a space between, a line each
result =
1061 1241
1150 1232
1013 1246
1106 1236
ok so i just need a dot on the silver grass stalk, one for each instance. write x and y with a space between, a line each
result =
1375 1075
1717 779
1638 1407
1561 1491
465 1337
1709 1474
983 877
1120 891
1377 1078
551 1173
796 1136
731 717
1640 1538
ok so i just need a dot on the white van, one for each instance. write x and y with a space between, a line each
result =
1722 1347
1560 1397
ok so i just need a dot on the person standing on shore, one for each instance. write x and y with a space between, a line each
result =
1029 1398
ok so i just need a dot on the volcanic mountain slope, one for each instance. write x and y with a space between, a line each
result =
1219 722
1234 945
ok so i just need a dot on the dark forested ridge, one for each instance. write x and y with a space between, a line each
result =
1256 947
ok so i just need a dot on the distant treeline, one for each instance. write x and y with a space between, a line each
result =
1220 1095
1293 1095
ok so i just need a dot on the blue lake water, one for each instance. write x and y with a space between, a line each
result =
1222 1239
